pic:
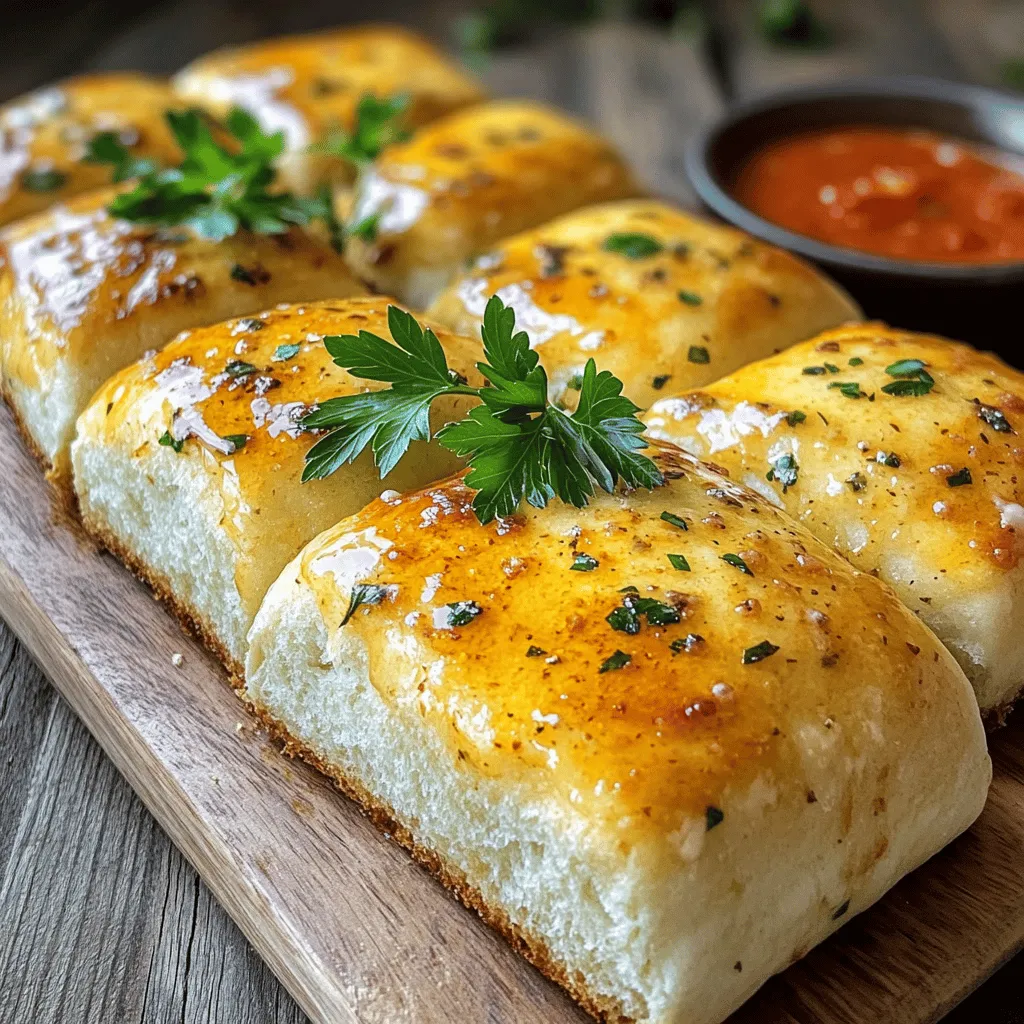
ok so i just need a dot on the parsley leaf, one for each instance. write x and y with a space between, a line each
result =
849 388
379 123
960 478
785 470
616 661
283 352
738 562
795 417
714 816
584 562
45 179
107 148
679 562
994 417
759 652
216 191
517 444
673 520
690 298
169 441
698 354
363 593
633 245
914 380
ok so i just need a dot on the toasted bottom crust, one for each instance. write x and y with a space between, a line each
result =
534 949
161 587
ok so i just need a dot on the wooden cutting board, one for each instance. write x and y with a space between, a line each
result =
349 924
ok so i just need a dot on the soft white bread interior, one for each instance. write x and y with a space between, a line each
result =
663 807
212 524
662 299
310 86
83 294
923 487
463 182
45 135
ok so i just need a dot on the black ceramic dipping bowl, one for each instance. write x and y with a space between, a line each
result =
980 304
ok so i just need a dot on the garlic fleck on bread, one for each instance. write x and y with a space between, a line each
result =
44 137
924 487
309 86
467 180
662 299
83 294
212 524
665 784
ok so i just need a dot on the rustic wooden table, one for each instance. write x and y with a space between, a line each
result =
101 919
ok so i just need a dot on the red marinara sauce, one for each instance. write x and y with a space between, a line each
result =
908 194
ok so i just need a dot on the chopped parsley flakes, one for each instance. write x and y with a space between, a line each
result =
690 298
738 562
43 180
237 441
849 388
660 381
239 368
994 418
533 651
960 478
626 618
855 361
632 245
813 371
795 417
171 442
687 643
785 470
913 379
673 520
364 593
698 354
679 562
759 652
857 481
714 816
461 613
618 660
583 562
283 352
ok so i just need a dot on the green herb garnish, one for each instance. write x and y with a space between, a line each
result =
690 298
533 651
618 660
43 179
283 352
714 817
857 481
673 520
169 441
686 643
849 388
632 245
658 383
892 460
366 229
461 613
215 191
831 367
517 443
795 417
758 652
237 441
107 148
698 354
856 361
679 562
364 593
378 123
626 618
239 368
737 562
785 470
791 23
813 371
841 910
584 562
914 379
960 478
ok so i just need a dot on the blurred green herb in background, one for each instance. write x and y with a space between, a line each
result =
791 23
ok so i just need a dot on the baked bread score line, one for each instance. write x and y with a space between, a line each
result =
659 817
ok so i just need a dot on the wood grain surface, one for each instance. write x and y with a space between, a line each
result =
103 920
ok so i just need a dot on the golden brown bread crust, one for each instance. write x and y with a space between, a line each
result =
186 615
532 948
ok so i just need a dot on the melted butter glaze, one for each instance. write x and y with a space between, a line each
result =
708 288
49 130
476 176
200 390
309 85
892 513
76 278
657 742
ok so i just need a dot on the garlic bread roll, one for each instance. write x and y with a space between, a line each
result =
663 783
923 488
662 299
455 188
187 465
83 294
44 137
309 86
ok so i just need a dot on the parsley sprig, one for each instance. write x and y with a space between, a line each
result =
215 190
518 445
107 148
378 123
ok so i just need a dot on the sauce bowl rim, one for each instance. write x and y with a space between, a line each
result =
713 193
